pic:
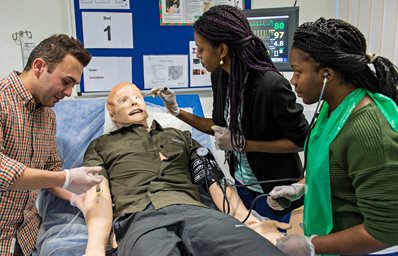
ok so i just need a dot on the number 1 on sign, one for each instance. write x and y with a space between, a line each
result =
108 29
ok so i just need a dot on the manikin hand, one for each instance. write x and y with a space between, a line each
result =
292 193
79 180
223 137
269 229
296 245
78 201
169 98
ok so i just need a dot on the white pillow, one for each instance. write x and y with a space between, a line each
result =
155 112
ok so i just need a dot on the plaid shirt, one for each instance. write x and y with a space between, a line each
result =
27 139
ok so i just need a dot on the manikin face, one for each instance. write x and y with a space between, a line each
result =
128 107
209 55
307 82
53 87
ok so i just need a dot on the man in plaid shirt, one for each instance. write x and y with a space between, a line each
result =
29 158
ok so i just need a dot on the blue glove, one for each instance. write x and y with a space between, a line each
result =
296 245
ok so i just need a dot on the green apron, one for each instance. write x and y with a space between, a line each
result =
318 203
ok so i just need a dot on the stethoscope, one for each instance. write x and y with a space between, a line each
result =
314 118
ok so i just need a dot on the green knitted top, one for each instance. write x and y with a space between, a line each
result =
364 175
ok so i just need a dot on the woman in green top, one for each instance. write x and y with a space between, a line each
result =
351 201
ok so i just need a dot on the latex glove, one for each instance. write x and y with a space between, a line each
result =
78 200
169 98
269 229
291 192
296 245
79 180
223 137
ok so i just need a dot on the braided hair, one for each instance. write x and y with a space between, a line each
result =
227 24
341 46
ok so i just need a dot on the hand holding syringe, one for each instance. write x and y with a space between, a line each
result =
169 98
154 92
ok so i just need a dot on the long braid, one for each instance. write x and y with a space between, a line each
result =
339 45
227 24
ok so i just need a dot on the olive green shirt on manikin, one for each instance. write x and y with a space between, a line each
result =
136 174
364 175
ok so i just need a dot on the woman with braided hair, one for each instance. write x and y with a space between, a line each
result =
351 201
256 119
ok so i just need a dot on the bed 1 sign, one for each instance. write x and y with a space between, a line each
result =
107 30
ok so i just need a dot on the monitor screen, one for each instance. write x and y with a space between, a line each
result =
275 27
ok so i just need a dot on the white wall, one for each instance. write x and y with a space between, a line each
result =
41 17
377 20
309 9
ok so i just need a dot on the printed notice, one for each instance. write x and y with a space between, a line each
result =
104 4
165 70
198 74
186 12
102 73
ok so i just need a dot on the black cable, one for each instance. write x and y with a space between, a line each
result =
295 2
225 199
268 181
252 205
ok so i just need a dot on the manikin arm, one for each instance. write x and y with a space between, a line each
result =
267 228
98 215
236 207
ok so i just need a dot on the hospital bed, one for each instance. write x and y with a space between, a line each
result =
79 121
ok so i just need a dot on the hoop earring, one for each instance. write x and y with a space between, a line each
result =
221 62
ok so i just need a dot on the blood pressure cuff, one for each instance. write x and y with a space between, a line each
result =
205 170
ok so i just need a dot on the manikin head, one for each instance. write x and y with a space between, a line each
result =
126 105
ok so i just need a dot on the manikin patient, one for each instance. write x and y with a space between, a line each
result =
149 194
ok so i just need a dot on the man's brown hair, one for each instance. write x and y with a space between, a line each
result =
53 50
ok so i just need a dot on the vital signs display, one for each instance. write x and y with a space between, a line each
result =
275 27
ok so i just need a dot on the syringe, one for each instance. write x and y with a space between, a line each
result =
98 190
